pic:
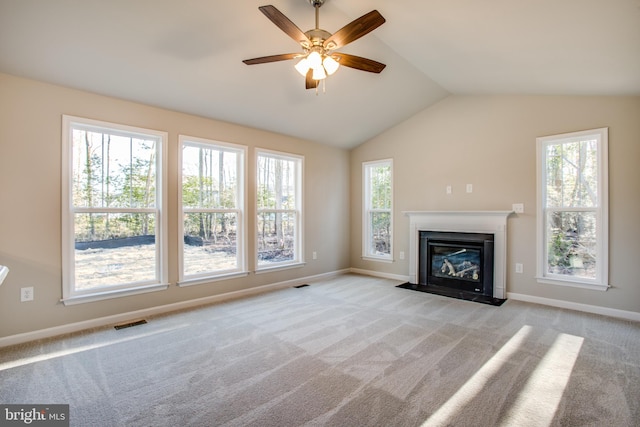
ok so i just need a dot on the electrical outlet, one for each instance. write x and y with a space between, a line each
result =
469 188
314 255
518 207
519 268
401 254
26 294
448 189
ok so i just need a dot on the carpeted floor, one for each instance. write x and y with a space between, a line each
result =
350 351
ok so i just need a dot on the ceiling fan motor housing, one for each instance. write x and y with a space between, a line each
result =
317 36
315 3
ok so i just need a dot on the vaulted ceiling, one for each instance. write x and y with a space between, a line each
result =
187 56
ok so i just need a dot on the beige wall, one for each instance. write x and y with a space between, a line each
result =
490 142
30 232
487 141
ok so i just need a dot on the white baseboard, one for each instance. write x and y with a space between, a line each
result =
379 274
604 311
135 315
612 312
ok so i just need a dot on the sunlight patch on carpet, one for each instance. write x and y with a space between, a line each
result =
67 351
538 401
476 383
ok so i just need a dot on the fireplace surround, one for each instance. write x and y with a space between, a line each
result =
484 232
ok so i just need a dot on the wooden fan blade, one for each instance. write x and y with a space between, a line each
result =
309 83
272 58
358 62
285 24
354 30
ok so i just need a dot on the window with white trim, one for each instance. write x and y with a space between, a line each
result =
279 209
573 209
377 220
212 200
114 210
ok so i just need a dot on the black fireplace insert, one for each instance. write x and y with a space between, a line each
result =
456 261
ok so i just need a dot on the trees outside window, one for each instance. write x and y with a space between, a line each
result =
377 210
572 209
279 209
114 227
212 207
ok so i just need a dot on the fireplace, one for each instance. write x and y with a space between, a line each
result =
474 244
457 261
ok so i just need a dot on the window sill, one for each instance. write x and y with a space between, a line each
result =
581 285
279 267
368 258
104 295
210 279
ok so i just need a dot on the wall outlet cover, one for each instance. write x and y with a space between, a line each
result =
26 294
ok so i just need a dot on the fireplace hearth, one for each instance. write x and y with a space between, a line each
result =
460 254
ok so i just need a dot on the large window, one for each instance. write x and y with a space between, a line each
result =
377 221
572 209
212 204
114 221
279 209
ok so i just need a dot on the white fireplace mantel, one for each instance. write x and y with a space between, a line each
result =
490 222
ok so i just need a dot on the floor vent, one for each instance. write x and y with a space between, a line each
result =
130 324
301 286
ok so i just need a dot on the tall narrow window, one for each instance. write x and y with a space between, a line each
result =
279 209
212 210
114 222
573 209
377 221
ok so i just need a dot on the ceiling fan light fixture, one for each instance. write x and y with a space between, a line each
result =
314 60
302 66
330 65
319 73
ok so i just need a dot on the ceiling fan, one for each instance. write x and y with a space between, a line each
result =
319 59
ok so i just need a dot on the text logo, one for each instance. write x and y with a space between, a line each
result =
34 415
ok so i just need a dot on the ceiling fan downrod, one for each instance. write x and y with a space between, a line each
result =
316 4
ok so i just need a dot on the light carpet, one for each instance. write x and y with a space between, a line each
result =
349 351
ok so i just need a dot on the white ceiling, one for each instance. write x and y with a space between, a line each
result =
187 56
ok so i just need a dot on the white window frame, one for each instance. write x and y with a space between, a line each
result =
601 211
241 270
70 295
298 257
367 231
